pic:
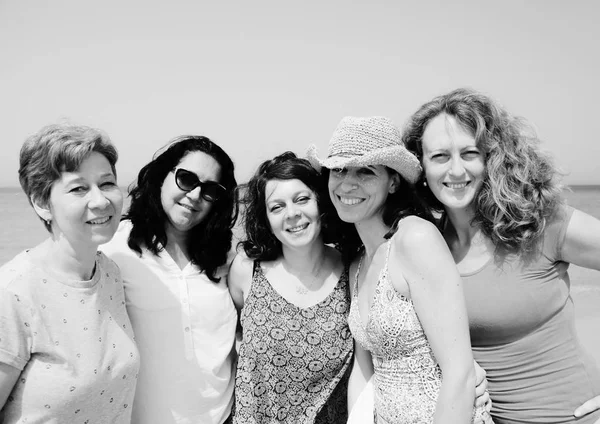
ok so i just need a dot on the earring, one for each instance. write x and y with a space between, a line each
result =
424 183
48 222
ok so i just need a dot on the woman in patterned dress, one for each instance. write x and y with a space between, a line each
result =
292 291
408 314
67 351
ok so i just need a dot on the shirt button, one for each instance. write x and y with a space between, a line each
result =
187 329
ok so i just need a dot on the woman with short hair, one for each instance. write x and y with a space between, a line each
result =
67 351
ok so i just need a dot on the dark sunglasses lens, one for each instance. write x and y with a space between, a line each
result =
186 180
212 191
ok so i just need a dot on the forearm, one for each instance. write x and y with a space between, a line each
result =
356 384
455 399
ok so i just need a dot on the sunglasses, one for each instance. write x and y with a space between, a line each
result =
188 181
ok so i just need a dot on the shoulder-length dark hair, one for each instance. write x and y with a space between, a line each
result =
210 241
260 243
521 188
398 205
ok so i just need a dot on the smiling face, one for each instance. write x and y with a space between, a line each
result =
454 166
359 193
85 205
292 212
185 210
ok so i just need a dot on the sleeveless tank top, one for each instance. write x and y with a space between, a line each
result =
407 377
294 362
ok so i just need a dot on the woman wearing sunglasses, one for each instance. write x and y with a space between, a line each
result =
171 248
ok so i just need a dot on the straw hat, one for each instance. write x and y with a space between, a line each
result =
374 140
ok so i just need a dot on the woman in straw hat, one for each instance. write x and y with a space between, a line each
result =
408 314
513 239
172 248
292 290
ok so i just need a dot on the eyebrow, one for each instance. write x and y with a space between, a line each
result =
296 194
81 179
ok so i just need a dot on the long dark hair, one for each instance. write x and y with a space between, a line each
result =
260 243
210 241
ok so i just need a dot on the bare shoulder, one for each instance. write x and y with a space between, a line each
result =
240 271
415 233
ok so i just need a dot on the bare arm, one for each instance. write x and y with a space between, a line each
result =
362 370
239 279
422 258
582 247
582 241
8 379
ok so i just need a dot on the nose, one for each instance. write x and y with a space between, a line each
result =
349 181
195 193
292 211
456 167
98 200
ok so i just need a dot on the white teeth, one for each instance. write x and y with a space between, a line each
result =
100 221
189 208
456 186
349 201
298 228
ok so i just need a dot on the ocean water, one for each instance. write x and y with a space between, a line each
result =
22 229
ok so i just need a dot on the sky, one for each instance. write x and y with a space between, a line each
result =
261 77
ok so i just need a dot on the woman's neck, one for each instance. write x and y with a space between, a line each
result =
372 234
461 226
65 260
305 261
177 246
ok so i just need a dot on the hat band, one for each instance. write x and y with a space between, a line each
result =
346 155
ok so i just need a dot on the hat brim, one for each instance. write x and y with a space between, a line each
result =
395 157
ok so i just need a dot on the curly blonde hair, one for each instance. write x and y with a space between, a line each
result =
521 187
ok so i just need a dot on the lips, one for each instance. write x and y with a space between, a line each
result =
349 201
457 186
297 228
188 207
99 221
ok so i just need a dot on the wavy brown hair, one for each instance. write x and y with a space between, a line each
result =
260 243
521 187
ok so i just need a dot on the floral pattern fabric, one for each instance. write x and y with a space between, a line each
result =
293 362
407 376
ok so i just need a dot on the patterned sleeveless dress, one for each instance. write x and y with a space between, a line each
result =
407 377
294 362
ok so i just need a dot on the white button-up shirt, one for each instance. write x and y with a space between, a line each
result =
184 326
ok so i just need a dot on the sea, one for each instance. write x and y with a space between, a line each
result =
21 228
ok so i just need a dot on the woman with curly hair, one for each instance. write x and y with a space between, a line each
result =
292 290
172 248
512 239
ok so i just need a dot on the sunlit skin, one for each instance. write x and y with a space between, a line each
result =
359 193
85 205
293 213
185 210
454 165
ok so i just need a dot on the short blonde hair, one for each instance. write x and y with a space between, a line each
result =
55 149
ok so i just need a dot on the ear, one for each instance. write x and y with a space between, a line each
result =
395 182
42 211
